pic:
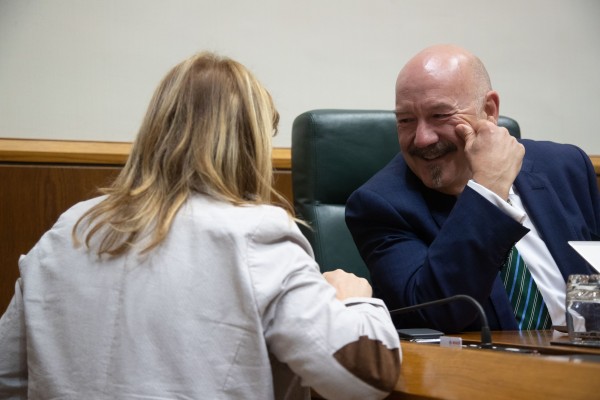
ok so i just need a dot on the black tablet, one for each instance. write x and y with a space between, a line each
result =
419 333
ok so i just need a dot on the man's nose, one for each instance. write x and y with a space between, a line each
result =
425 135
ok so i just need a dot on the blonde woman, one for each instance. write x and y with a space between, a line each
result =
188 278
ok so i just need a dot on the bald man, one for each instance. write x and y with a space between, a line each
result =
465 205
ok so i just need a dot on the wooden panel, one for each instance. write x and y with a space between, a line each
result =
85 152
283 184
31 199
64 151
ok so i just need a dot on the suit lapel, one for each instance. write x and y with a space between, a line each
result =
544 207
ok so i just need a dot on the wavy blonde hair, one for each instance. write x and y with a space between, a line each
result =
208 129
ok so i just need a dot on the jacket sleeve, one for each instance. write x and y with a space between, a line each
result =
13 353
345 350
412 261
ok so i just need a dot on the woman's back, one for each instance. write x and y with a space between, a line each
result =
192 319
180 321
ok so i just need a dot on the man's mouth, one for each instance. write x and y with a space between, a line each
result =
434 151
432 156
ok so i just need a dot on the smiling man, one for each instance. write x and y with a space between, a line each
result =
442 218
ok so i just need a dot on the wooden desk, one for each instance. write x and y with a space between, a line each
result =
554 372
544 342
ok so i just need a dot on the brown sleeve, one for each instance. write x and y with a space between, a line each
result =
371 361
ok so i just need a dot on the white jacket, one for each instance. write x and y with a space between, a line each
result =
230 306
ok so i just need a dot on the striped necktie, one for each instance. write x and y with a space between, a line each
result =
527 302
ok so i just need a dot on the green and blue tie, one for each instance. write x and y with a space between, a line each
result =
527 301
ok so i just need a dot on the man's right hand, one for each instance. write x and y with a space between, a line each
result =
495 157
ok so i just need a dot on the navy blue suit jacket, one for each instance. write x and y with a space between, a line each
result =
422 245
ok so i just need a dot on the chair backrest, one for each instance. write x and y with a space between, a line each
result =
512 125
333 153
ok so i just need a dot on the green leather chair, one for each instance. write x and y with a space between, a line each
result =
333 153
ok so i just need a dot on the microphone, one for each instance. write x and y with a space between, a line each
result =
486 335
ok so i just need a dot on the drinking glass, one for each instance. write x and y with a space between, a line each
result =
583 307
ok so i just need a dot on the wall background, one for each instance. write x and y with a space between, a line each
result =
85 70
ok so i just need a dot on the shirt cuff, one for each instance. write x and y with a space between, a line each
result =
506 207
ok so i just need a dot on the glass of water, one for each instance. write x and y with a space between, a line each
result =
583 307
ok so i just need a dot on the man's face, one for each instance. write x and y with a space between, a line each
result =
428 108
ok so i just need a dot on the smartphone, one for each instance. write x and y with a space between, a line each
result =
419 334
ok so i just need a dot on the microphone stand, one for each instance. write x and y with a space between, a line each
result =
486 335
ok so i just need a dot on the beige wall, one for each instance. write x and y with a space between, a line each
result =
85 70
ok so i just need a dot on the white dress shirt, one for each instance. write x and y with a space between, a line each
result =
532 248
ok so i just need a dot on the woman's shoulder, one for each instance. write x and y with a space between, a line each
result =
242 223
204 210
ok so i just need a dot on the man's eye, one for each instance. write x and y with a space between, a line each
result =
441 116
405 121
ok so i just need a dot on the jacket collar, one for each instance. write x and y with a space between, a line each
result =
543 206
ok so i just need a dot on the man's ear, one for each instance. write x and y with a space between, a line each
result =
492 105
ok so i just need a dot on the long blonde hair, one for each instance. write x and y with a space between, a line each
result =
207 129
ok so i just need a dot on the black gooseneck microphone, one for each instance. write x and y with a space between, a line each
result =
486 335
